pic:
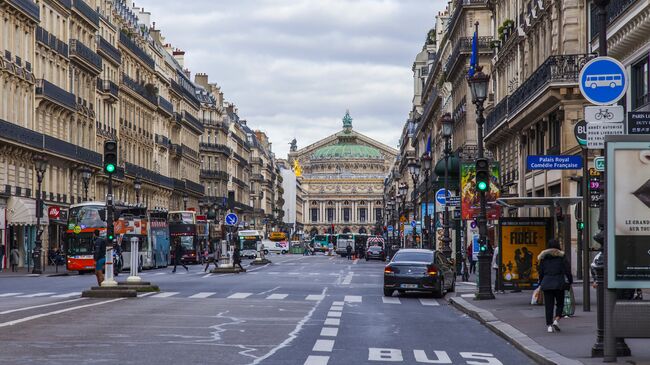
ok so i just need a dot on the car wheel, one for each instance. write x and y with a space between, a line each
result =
388 292
367 258
266 252
439 292
284 252
452 289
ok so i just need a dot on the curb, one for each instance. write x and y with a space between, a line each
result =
523 343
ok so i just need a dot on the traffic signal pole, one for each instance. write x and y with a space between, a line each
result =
109 280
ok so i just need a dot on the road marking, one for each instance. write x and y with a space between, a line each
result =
317 360
334 314
17 321
67 295
145 294
268 291
202 295
356 261
273 273
315 297
336 308
348 278
379 354
40 306
390 300
240 295
338 303
207 275
159 273
429 302
34 295
323 346
352 299
332 321
277 296
329 331
165 294
467 295
8 295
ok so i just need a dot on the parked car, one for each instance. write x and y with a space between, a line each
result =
375 252
419 270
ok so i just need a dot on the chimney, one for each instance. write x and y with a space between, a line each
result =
179 56
202 80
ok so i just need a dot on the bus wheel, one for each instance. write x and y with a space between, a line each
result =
266 252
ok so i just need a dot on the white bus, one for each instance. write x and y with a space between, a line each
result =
613 80
250 242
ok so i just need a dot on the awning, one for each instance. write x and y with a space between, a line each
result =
522 202
22 212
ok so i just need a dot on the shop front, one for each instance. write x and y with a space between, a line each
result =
21 228
58 220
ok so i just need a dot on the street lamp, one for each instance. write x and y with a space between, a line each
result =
403 189
414 169
426 165
40 166
447 129
86 174
478 85
137 185
185 199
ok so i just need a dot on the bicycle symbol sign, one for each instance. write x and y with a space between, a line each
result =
603 81
612 114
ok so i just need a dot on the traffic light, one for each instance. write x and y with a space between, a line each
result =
482 174
231 200
580 225
110 156
482 245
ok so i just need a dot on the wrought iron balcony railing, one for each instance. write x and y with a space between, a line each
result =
86 11
139 52
146 92
80 50
162 140
52 42
189 151
463 48
165 105
216 147
614 9
193 122
56 94
194 187
27 7
239 182
148 175
108 86
109 50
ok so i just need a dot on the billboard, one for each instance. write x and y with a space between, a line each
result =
521 241
628 213
470 203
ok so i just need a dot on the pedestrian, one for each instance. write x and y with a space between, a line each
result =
14 258
495 267
236 259
2 256
99 256
178 255
470 257
554 278
214 258
348 249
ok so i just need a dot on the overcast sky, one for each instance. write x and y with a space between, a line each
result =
293 67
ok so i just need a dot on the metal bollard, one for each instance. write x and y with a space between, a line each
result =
109 279
135 261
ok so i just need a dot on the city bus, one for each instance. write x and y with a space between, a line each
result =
83 220
159 239
182 230
321 242
342 241
132 222
250 242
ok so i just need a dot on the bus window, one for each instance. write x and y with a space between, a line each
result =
80 246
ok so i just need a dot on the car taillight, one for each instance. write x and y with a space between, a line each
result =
389 270
432 270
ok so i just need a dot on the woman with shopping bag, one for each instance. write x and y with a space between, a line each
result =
554 278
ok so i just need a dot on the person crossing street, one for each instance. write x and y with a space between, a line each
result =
178 255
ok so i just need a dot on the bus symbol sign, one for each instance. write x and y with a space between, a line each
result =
603 81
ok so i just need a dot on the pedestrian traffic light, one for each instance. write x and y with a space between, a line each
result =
110 156
482 174
580 225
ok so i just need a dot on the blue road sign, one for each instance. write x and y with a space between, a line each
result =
413 224
390 229
441 197
554 162
232 219
603 81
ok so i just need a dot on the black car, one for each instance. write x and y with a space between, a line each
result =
375 252
419 270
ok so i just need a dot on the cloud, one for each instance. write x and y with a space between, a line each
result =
293 67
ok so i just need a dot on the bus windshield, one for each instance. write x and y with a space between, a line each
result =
87 217
79 245
181 217
320 238
345 236
248 244
187 242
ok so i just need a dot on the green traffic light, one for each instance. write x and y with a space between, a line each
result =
483 248
482 186
581 225
110 167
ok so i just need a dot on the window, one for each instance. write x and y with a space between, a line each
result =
314 214
362 214
346 214
640 77
555 133
330 214
378 215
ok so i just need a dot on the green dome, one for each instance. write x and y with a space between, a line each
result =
345 150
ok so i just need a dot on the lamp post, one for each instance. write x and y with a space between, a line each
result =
137 185
447 129
426 165
86 174
478 85
185 199
403 189
40 166
414 169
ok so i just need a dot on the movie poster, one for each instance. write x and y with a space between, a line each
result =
470 202
522 240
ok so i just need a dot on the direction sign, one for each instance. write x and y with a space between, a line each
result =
568 162
580 132
638 123
454 201
413 224
441 197
603 81
599 163
596 133
610 113
232 219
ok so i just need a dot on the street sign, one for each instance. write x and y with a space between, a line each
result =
594 188
456 213
413 224
603 81
599 163
638 123
454 202
390 229
232 219
612 113
580 132
441 197
596 133
568 162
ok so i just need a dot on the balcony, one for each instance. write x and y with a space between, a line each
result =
127 42
183 92
177 150
148 175
86 11
162 140
559 70
146 91
458 6
108 87
112 53
55 94
614 9
52 42
214 174
194 187
193 122
463 48
257 177
27 7
92 60
239 182
20 134
166 106
216 147
189 152
241 160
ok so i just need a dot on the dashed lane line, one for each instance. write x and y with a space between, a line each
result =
277 296
323 345
315 297
391 300
35 295
317 360
67 295
352 299
332 321
40 306
334 314
240 296
202 295
165 294
429 302
26 319
329 331
9 295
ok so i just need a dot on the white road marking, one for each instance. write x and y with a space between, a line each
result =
202 295
35 295
21 320
145 294
332 321
159 273
429 302
67 295
207 275
334 314
336 308
273 273
390 300
315 297
8 295
356 261
467 295
380 354
323 346
240 295
348 278
338 303
317 360
352 299
277 296
165 294
268 291
329 331
40 306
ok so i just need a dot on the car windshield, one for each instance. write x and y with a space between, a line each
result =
414 256
374 248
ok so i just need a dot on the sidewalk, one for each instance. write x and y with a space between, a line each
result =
512 316
23 272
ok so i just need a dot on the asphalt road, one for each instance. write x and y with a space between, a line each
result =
314 310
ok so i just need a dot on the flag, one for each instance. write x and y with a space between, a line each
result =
473 61
429 145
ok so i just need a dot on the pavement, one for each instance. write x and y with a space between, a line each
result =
511 316
48 270
313 310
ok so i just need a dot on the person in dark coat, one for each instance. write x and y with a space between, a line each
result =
178 255
348 249
2 255
236 259
14 258
554 278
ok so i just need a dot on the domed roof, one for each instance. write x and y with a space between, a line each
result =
347 150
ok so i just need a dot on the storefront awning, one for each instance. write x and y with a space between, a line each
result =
527 202
22 212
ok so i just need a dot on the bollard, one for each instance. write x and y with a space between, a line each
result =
135 256
109 280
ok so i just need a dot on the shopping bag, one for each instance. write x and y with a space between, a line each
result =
569 308
537 298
